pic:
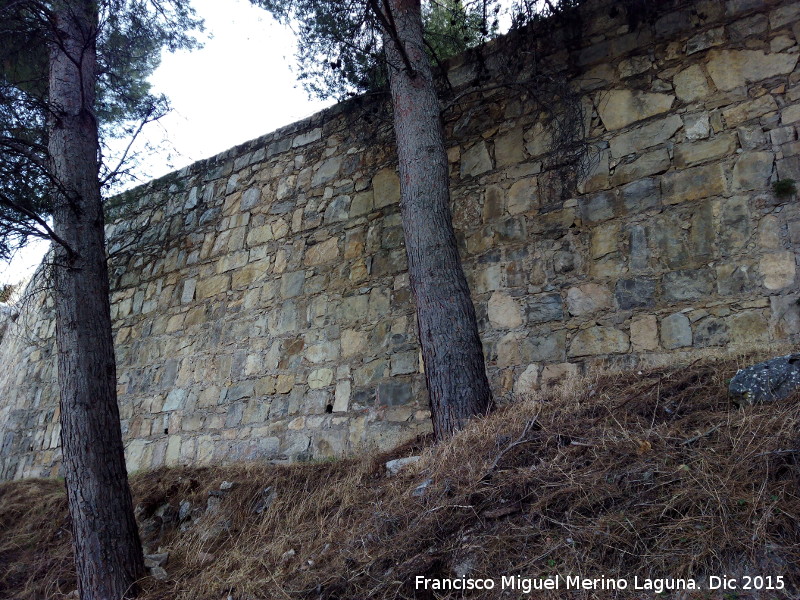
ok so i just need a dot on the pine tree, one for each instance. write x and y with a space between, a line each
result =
352 35
79 75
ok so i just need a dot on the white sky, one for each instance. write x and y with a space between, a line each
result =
239 86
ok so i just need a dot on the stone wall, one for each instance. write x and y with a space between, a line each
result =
260 298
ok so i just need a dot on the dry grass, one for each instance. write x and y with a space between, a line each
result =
646 473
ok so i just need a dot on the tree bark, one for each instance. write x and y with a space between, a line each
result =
448 329
108 552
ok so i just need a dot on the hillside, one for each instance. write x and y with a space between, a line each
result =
645 474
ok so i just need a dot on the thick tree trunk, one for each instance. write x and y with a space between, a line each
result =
448 329
108 552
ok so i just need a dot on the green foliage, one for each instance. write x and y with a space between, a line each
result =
452 26
340 45
129 42
784 188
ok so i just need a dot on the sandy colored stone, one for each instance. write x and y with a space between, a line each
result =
323 252
691 84
523 196
508 148
730 69
284 383
588 298
646 136
212 286
385 188
320 378
527 381
689 154
604 239
475 160
503 311
693 183
598 340
618 108
778 269
555 374
644 332
752 171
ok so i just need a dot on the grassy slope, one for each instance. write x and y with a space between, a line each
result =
646 473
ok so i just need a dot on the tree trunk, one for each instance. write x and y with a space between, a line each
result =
448 329
108 552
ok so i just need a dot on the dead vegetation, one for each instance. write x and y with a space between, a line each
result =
649 474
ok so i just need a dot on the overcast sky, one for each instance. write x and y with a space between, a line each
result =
239 86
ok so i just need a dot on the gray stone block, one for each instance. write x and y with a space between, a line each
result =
767 381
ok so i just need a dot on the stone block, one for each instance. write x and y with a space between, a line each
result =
385 188
752 171
693 183
641 195
493 203
598 340
322 253
542 344
644 333
751 137
676 331
503 311
679 286
337 210
605 239
784 316
706 39
746 111
527 381
649 163
555 374
187 295
635 293
327 171
341 400
353 342
784 15
211 286
748 327
735 225
476 160
588 298
544 308
370 373
619 108
730 69
691 84
597 207
646 136
720 146
790 114
778 269
508 148
711 331
538 140
394 393
320 378
696 126
250 198
292 284
361 204
523 196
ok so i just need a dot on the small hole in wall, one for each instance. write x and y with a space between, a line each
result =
166 431
329 408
